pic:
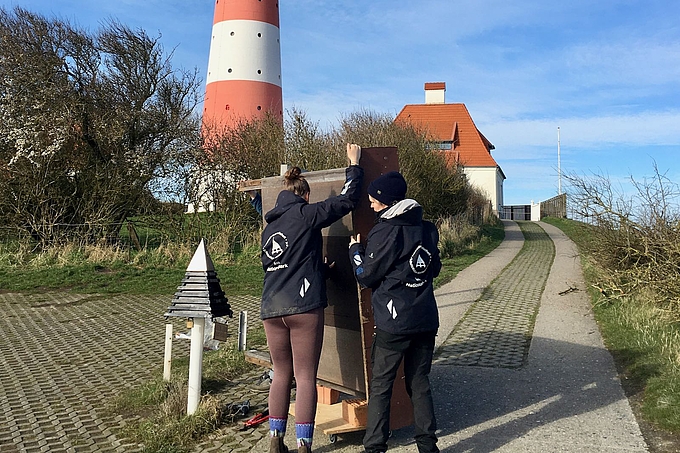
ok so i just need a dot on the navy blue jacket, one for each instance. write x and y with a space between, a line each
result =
294 269
399 262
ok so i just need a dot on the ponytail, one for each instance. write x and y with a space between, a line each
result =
295 182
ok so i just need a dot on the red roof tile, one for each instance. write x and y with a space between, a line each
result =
452 122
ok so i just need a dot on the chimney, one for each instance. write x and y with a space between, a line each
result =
434 92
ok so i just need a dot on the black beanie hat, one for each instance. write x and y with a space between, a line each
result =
388 188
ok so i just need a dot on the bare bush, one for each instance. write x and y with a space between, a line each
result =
637 236
441 188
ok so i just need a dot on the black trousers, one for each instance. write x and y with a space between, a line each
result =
386 355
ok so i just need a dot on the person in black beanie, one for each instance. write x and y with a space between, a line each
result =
399 262
388 188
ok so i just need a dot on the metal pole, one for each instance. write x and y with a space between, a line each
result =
167 362
559 164
195 365
242 330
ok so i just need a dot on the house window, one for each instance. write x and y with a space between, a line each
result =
442 146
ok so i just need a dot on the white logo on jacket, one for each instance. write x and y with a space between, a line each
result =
345 188
392 309
420 260
275 245
305 286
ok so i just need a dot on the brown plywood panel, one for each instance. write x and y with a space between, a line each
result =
341 365
322 183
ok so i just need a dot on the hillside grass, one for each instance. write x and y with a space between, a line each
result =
111 270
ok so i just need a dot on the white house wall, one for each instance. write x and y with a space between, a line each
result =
490 181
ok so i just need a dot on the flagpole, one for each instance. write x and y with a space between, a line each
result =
559 165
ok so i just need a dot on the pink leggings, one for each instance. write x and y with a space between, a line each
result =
295 347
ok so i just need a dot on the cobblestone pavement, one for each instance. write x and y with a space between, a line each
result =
496 330
65 356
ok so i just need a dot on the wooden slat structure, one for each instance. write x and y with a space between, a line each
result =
348 332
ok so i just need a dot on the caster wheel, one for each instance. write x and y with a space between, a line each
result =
333 438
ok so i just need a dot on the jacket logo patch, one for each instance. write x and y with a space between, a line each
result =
420 260
305 286
357 259
392 309
275 245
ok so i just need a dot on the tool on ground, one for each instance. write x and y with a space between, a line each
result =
258 419
239 408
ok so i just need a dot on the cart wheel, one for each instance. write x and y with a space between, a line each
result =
332 438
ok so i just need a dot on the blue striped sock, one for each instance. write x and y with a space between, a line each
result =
304 433
277 426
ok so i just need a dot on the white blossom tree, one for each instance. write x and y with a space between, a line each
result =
88 121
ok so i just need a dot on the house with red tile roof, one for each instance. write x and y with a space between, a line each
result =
452 127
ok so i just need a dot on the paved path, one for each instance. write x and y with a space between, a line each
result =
65 356
565 398
520 365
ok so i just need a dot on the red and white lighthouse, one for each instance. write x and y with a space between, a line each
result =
244 67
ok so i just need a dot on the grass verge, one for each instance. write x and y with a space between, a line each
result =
490 236
242 279
101 271
156 411
111 273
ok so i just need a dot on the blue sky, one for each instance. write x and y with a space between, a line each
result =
606 72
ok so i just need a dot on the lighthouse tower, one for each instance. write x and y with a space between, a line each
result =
244 67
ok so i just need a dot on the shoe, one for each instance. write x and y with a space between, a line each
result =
262 384
276 445
304 448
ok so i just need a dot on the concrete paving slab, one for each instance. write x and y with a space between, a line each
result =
65 356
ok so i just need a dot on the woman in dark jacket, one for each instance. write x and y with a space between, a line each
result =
399 262
294 295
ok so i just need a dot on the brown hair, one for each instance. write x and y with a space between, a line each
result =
295 182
